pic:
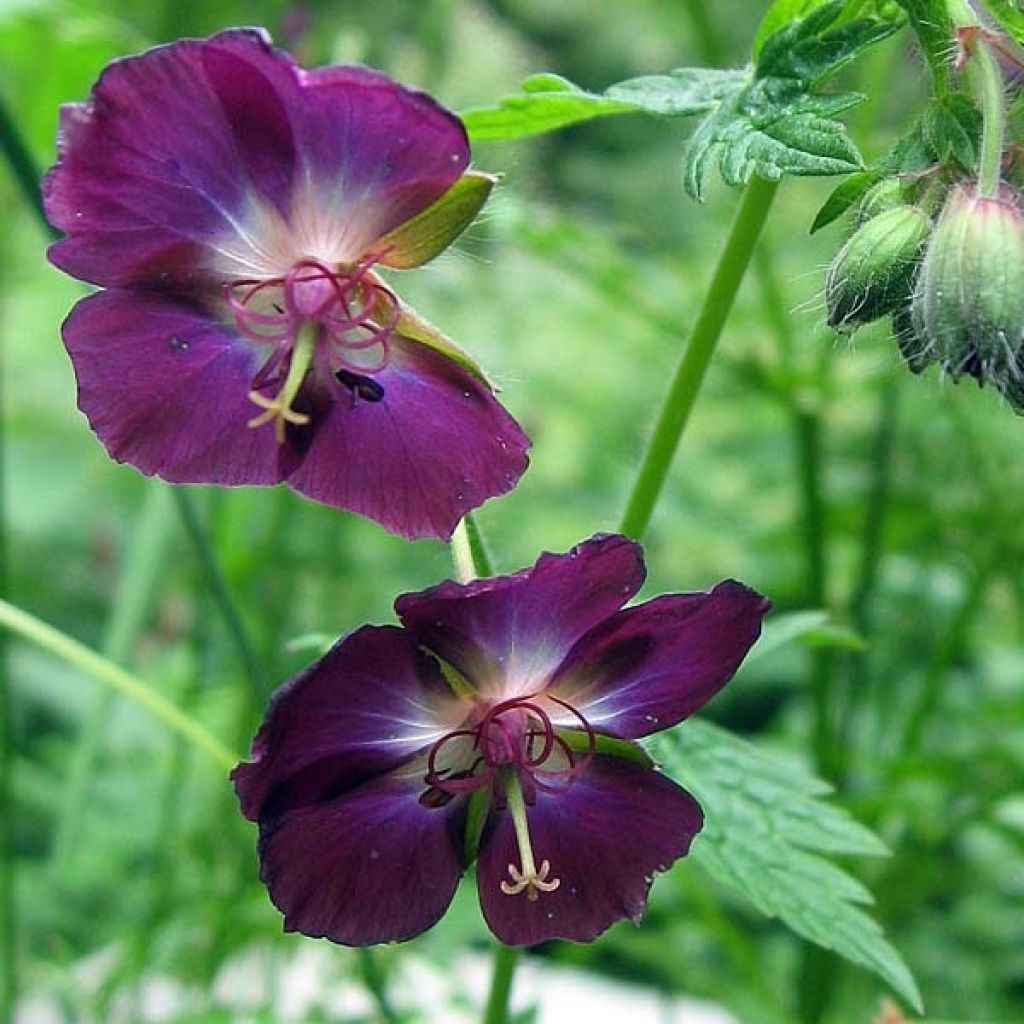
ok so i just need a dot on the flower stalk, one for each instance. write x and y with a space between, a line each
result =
987 83
700 346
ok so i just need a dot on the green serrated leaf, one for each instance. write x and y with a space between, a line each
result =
910 154
843 197
951 128
771 129
765 830
546 104
819 44
779 15
934 30
680 93
549 102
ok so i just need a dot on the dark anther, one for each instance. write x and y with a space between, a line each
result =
365 388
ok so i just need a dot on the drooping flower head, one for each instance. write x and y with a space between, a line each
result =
236 209
498 722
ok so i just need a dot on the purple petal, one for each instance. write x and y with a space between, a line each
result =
433 444
163 158
220 156
649 667
604 839
364 708
371 866
508 634
165 388
378 153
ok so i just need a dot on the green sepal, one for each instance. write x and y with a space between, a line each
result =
607 746
951 128
413 327
843 197
476 818
431 231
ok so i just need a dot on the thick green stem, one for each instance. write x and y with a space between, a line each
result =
67 649
506 958
700 346
987 83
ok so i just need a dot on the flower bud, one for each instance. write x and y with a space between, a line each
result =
968 307
873 272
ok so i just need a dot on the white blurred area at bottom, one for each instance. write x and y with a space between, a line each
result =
321 981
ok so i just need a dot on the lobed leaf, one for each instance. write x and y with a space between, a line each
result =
771 129
766 829
819 44
548 102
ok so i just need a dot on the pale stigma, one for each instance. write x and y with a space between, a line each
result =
528 878
279 408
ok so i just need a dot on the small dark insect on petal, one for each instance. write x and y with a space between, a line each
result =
363 387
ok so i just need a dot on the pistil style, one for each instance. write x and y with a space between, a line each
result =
279 408
528 878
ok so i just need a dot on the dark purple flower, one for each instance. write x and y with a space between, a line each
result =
498 722
235 209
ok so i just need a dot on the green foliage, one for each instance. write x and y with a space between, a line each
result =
951 128
545 104
845 195
934 30
1010 16
766 830
766 120
549 102
776 124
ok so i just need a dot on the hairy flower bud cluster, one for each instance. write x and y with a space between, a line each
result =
954 288
968 307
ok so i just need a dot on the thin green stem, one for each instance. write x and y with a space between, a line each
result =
376 985
506 959
221 593
732 265
74 653
22 166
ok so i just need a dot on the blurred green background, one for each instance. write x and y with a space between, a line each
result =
815 469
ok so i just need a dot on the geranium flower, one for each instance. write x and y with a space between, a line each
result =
498 722
236 208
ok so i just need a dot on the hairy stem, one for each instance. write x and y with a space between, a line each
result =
987 84
700 346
